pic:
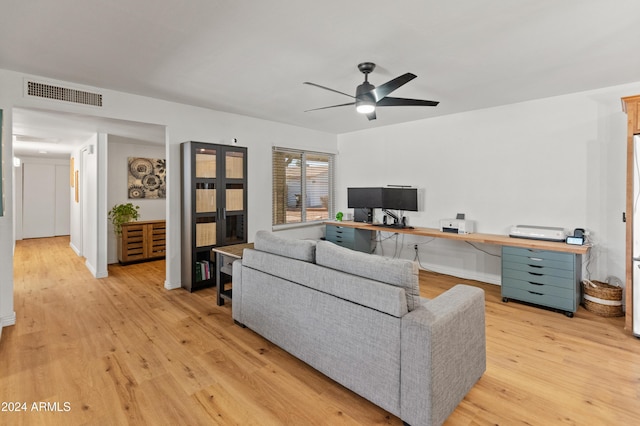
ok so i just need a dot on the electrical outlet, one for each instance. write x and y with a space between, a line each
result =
415 247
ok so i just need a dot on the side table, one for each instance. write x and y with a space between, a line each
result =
225 256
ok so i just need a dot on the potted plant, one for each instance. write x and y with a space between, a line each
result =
123 213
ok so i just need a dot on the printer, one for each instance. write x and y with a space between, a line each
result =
457 226
545 233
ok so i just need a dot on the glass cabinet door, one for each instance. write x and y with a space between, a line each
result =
206 197
234 165
206 234
206 163
234 214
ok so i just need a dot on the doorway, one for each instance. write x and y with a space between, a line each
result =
78 136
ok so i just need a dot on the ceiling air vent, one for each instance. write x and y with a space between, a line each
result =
60 93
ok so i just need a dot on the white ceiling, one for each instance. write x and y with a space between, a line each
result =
251 57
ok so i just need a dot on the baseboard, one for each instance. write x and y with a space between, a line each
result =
90 268
169 286
6 321
75 249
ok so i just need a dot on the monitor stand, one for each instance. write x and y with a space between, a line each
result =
397 222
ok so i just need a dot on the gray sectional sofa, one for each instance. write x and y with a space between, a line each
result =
360 320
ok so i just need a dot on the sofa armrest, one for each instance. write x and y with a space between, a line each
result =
443 354
236 300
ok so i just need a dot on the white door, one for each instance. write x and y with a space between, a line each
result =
38 200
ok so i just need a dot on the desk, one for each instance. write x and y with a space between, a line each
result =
545 273
496 239
225 256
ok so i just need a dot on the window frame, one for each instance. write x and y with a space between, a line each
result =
304 154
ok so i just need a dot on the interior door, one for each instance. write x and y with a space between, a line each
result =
38 200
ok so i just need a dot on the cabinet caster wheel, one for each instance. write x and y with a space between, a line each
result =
505 299
569 314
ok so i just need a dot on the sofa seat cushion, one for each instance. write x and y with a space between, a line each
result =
304 250
398 272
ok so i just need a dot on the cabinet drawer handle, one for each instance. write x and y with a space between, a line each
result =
535 266
531 282
537 294
536 259
535 273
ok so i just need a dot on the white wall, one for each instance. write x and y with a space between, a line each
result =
7 314
119 150
551 162
76 236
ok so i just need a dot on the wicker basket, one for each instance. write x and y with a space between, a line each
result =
602 299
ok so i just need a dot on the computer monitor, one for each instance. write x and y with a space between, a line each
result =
363 201
400 198
370 198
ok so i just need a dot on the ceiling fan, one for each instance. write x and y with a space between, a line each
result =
368 97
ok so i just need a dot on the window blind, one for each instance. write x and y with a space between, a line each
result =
302 186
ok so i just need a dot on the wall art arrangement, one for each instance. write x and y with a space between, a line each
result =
147 178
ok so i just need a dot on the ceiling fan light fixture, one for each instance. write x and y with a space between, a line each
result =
365 106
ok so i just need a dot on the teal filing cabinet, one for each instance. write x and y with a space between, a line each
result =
541 277
351 238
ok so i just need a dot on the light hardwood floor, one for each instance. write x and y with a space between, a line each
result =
123 350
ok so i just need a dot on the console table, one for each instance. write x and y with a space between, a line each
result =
225 256
545 273
142 241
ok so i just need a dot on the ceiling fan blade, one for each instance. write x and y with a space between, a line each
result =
371 115
405 102
332 106
326 88
391 85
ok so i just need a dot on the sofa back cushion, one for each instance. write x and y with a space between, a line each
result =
304 250
362 291
398 272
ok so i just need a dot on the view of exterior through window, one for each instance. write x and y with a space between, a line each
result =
302 186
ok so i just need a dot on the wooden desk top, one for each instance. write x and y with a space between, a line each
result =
234 250
502 240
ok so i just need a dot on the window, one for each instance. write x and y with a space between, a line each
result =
302 186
